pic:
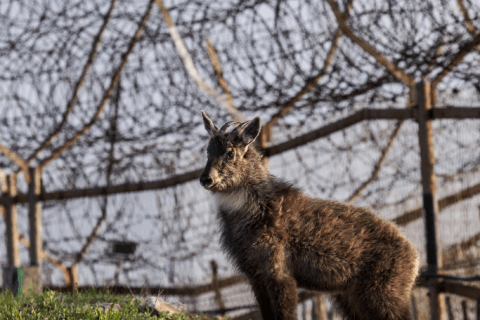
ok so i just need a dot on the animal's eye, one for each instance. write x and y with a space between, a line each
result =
230 154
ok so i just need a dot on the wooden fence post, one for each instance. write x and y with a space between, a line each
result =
10 272
478 309
216 288
414 308
319 312
72 280
13 257
35 216
464 310
304 310
425 136
449 308
33 273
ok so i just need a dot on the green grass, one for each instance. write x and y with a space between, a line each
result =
53 305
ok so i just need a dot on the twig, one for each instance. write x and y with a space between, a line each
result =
73 100
390 66
457 59
379 163
108 93
432 65
454 250
468 21
59 265
103 217
218 69
311 83
190 66
17 160
3 182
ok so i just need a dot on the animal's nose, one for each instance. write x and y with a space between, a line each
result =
206 181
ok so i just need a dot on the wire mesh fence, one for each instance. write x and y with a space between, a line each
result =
103 100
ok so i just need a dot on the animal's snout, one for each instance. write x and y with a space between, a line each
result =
206 181
209 177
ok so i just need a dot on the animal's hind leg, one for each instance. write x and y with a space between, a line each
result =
377 298
362 307
389 307
382 291
347 308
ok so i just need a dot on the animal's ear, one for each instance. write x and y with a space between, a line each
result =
251 131
209 126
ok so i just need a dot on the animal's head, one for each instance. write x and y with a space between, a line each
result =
231 155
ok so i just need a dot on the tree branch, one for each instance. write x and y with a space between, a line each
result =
468 21
432 64
218 68
73 100
108 93
453 251
17 160
60 266
390 66
379 163
190 66
111 160
311 83
466 49
3 182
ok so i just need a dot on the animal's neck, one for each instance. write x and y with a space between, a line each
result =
242 198
234 200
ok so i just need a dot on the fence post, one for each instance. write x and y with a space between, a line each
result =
33 273
414 308
12 224
304 310
449 308
10 272
424 99
319 312
216 289
478 309
464 310
35 216
72 281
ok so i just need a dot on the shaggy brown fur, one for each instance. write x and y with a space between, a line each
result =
282 239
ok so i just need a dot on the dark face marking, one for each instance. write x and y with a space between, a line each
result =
216 147
220 171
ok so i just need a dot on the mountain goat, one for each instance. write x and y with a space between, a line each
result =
282 239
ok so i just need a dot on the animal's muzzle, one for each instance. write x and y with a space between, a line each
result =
205 180
207 177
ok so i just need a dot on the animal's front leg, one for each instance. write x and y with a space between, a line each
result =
263 300
277 297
